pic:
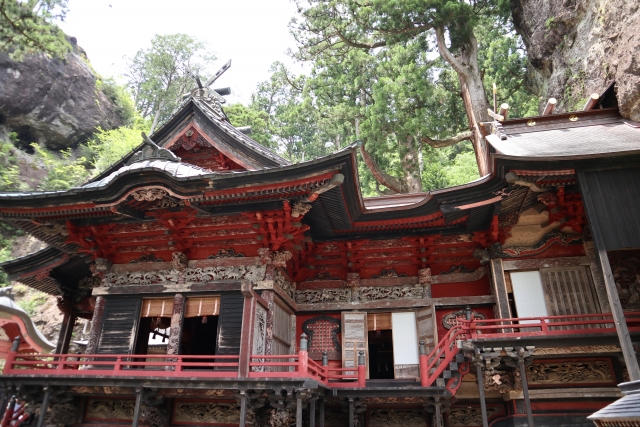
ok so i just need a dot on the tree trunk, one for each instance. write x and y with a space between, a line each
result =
472 90
156 117
410 161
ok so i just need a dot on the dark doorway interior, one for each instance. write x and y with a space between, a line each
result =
199 338
146 328
381 355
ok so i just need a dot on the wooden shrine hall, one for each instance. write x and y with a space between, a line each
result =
228 287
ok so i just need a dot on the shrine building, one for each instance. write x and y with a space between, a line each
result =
228 287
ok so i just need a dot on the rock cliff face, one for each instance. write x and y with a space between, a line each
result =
52 102
577 47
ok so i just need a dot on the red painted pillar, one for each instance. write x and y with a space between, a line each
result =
424 362
246 337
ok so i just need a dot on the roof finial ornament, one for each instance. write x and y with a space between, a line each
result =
202 92
151 151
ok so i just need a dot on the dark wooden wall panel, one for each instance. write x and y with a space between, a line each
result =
230 324
615 194
118 325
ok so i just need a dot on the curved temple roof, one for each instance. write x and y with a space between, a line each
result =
12 313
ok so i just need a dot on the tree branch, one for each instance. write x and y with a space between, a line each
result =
447 142
348 42
448 56
382 177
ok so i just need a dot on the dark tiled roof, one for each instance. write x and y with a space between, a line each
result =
580 135
625 409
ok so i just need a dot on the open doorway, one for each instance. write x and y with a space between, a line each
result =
381 354
199 336
153 330
380 346
199 333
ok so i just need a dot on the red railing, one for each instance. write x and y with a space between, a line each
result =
433 364
122 365
546 326
300 366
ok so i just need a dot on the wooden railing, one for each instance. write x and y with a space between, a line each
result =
300 366
547 326
121 365
433 364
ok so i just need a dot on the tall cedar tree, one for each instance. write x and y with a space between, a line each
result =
336 28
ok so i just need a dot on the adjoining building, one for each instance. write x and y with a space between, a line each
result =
226 286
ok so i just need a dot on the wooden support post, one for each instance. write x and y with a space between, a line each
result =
175 328
321 413
96 325
63 332
438 406
137 408
312 413
499 290
298 410
243 408
246 334
66 339
351 412
483 404
43 407
525 387
612 291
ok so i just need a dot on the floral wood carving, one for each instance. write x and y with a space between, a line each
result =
54 229
140 278
288 287
388 272
300 209
470 416
280 258
598 371
146 258
226 253
375 293
396 418
111 409
259 334
322 276
206 412
100 267
313 296
626 274
154 416
502 381
323 336
253 273
149 194
449 320
167 203
458 269
179 261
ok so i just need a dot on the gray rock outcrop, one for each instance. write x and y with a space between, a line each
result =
577 47
53 102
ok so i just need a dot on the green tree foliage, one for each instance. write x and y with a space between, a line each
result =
120 96
160 75
379 62
63 170
293 116
26 27
240 115
109 146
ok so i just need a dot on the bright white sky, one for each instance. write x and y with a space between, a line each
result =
252 33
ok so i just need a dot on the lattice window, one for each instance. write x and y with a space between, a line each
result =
323 334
